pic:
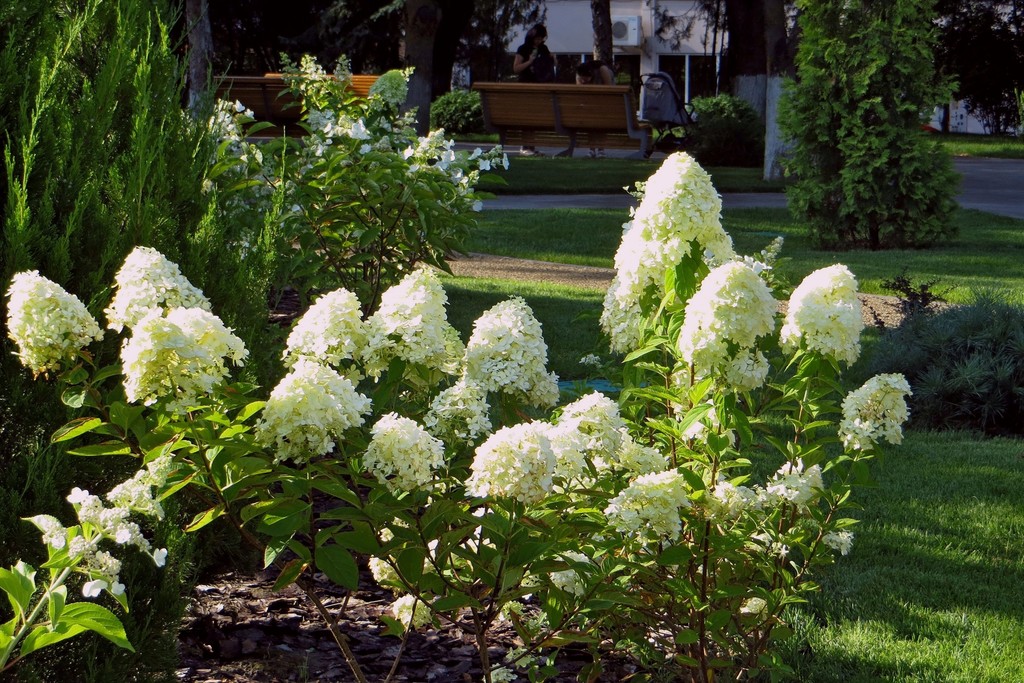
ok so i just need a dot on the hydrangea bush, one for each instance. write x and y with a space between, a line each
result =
357 199
639 524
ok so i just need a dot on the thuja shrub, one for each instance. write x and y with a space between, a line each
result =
635 527
965 363
359 199
99 156
458 112
866 176
727 132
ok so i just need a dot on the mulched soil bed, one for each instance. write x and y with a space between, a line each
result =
239 629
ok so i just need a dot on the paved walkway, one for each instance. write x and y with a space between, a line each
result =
992 185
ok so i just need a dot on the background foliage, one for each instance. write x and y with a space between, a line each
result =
727 132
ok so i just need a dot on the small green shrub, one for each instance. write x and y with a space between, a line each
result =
458 112
866 175
727 132
965 366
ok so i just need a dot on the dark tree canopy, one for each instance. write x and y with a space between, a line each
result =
982 49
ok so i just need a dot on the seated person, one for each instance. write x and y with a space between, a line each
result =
597 72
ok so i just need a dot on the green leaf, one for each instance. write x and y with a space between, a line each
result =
339 565
105 448
457 601
204 518
20 584
290 574
74 397
410 563
393 627
97 619
42 636
361 539
58 598
76 427
250 410
525 553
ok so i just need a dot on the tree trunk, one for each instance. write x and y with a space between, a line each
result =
747 56
421 22
779 63
200 48
751 88
455 16
601 10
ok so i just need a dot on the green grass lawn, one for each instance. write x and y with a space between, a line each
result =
997 146
568 315
606 176
988 253
932 588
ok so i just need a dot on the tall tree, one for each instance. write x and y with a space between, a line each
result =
601 10
200 48
746 57
778 67
422 18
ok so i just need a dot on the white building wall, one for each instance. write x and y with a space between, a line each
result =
570 29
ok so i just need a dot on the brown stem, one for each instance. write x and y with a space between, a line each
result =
332 624
401 651
480 631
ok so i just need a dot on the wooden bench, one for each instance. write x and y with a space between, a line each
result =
562 113
270 100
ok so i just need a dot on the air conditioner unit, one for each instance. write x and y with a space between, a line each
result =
626 31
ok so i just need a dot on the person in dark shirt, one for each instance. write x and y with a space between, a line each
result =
534 64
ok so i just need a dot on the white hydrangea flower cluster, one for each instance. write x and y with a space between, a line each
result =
330 332
840 541
726 501
506 353
392 87
515 462
224 125
411 324
589 429
825 314
48 324
753 606
569 580
460 411
383 573
98 524
410 611
137 492
503 674
679 206
147 280
307 409
180 356
648 509
636 457
488 160
875 411
793 484
724 319
401 454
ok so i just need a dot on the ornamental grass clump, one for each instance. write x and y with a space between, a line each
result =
639 527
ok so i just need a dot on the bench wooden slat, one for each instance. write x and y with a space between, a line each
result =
605 113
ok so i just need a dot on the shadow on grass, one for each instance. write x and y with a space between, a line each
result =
933 582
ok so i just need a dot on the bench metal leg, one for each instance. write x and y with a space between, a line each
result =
568 152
